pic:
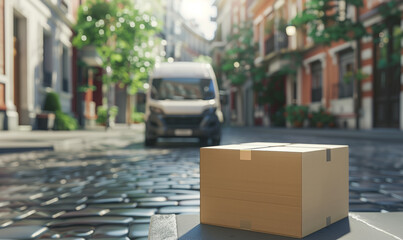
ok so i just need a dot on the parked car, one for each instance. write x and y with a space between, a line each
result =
183 101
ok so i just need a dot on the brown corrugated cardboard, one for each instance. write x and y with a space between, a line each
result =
289 190
335 172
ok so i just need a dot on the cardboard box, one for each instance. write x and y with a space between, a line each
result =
285 189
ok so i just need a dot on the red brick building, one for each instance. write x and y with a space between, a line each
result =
319 81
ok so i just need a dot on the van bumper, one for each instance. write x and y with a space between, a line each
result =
196 126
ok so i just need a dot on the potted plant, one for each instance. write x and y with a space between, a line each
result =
46 119
102 114
137 117
52 116
296 115
322 118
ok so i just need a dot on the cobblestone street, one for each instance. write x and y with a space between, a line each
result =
111 190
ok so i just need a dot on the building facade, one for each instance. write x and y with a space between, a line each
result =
192 43
240 109
36 57
320 71
183 41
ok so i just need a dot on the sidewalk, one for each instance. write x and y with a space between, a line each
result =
378 134
23 141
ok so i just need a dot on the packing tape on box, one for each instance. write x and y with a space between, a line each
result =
245 154
328 155
328 221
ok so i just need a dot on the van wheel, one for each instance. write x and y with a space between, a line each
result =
149 142
216 141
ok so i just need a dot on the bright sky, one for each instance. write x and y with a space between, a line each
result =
201 11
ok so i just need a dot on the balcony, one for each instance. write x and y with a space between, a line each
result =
275 43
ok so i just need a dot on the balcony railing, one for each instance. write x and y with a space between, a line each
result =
317 94
343 90
275 43
269 45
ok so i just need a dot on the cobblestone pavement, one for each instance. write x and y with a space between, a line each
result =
110 191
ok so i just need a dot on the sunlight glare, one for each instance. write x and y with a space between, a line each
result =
200 11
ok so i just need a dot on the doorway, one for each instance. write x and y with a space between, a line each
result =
20 92
387 65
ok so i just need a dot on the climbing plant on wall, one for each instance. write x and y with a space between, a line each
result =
327 21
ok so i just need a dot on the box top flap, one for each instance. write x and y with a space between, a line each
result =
290 149
232 147
251 145
278 147
328 146
266 144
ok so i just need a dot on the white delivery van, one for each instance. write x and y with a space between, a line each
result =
183 101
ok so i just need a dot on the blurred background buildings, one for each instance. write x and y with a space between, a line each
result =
37 56
319 80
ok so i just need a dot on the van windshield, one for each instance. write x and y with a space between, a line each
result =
182 89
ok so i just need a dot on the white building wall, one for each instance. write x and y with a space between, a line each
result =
343 107
366 120
34 17
11 113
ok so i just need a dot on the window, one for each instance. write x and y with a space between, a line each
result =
342 9
316 94
182 89
235 20
47 61
346 68
2 42
387 83
65 67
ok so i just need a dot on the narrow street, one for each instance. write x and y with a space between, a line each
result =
111 189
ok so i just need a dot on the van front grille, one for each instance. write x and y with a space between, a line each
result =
183 121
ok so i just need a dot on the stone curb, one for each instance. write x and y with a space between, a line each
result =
74 143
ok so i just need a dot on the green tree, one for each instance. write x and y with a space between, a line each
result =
203 59
123 38
238 61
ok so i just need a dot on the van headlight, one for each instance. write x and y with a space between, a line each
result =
156 110
209 111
